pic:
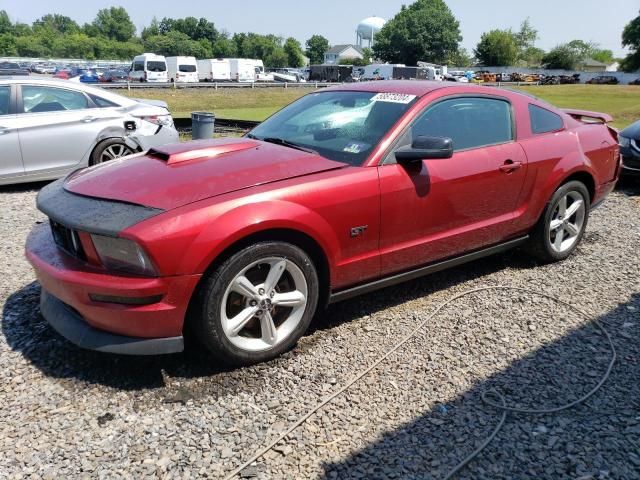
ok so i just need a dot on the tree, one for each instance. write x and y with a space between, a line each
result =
152 30
5 23
631 39
460 59
526 37
58 23
317 45
603 55
276 58
224 47
563 56
176 43
426 30
532 56
293 50
497 48
114 23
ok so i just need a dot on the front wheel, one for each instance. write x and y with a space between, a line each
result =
562 225
256 304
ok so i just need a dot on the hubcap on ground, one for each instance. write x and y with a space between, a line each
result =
264 304
567 221
114 151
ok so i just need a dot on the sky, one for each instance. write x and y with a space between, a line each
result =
557 21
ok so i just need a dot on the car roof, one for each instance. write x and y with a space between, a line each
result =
55 82
407 87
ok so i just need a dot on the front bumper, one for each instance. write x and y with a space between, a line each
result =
630 165
68 323
67 284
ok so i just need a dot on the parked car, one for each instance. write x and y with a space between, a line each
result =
630 149
63 74
239 241
89 76
12 69
635 82
55 127
603 80
114 76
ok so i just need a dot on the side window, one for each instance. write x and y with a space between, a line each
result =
102 103
544 121
5 99
469 122
38 99
138 66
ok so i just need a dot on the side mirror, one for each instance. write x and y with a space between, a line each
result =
425 148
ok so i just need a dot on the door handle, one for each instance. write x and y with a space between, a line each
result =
510 166
89 119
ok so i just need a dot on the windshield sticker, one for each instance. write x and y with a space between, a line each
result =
354 147
393 98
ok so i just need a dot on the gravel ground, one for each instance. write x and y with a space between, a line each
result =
70 413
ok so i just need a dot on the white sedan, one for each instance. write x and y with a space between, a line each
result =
49 128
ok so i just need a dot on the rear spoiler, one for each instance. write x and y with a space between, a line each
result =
587 116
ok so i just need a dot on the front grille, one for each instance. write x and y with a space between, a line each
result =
68 240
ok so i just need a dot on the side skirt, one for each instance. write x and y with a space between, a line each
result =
420 272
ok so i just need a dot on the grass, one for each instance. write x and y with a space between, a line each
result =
238 104
620 101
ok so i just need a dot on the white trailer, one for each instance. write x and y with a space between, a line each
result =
214 70
182 69
246 70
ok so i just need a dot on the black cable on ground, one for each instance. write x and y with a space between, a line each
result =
502 406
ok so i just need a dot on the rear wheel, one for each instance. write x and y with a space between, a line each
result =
257 304
110 149
562 225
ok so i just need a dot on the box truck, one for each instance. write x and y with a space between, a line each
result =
182 69
214 70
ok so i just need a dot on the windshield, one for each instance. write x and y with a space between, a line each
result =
341 126
156 66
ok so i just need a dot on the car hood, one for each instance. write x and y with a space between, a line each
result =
178 174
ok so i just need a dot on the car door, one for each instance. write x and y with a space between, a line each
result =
10 157
440 208
57 127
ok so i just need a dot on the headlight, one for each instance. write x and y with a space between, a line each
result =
123 255
624 141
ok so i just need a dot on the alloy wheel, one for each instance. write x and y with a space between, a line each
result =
567 221
264 303
114 151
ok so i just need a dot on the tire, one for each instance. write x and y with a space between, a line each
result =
544 243
109 149
235 327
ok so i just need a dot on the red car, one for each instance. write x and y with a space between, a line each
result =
239 241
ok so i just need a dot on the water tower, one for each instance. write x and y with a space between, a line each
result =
367 30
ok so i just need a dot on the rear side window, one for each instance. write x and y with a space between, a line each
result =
138 66
469 122
36 99
5 96
102 103
544 121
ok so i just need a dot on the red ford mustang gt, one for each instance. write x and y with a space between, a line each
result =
345 190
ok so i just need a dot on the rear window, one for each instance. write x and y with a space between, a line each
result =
544 121
187 68
156 66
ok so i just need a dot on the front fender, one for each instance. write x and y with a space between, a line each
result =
248 219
